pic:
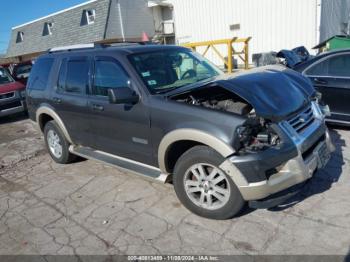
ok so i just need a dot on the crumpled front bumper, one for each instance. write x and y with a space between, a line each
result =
295 171
292 172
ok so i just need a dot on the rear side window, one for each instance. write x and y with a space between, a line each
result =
339 66
39 75
335 66
73 76
319 69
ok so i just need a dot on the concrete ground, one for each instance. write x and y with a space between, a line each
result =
90 208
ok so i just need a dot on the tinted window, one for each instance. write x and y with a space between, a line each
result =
319 69
73 76
39 75
108 74
332 66
339 66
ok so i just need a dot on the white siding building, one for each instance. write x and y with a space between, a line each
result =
272 24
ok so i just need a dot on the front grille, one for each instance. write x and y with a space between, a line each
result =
302 120
7 95
10 105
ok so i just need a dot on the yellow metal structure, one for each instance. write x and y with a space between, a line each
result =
243 54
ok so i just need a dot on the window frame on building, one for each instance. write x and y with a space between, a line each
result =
20 37
47 30
88 17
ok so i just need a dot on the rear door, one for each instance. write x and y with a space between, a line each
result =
331 77
120 129
70 97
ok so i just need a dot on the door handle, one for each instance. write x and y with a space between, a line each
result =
97 107
320 81
57 100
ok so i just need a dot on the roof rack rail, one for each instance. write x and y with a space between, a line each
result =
121 43
73 47
96 45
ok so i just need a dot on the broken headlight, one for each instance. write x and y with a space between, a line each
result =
255 135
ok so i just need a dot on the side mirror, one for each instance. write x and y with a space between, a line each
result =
122 95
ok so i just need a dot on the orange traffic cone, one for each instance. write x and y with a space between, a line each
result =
144 37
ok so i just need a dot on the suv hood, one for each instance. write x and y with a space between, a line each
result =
10 87
275 92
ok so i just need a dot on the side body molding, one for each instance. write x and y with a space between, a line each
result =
193 135
48 111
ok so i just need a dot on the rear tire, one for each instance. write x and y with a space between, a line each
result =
57 144
203 187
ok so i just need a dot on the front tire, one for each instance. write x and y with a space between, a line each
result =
57 144
203 187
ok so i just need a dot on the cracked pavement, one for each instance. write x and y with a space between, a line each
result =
90 208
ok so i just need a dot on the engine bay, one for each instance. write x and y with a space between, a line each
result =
216 98
254 135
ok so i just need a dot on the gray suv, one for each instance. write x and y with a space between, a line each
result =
167 113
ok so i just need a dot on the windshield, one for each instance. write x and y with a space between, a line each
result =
163 71
5 77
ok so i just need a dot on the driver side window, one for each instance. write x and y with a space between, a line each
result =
108 74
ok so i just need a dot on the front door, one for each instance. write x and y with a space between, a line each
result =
120 129
331 77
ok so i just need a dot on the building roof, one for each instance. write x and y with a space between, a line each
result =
53 14
114 20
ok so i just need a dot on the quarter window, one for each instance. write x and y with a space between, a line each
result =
39 75
108 74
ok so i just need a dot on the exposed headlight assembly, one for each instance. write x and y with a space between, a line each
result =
255 135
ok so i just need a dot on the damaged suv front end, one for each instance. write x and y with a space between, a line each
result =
283 140
303 148
266 123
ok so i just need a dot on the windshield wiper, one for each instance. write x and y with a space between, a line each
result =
166 90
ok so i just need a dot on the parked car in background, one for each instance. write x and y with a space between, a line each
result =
20 72
167 113
12 94
329 72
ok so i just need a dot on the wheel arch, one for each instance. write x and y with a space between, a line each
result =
189 137
44 113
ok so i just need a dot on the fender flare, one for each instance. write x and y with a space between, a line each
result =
49 111
194 135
